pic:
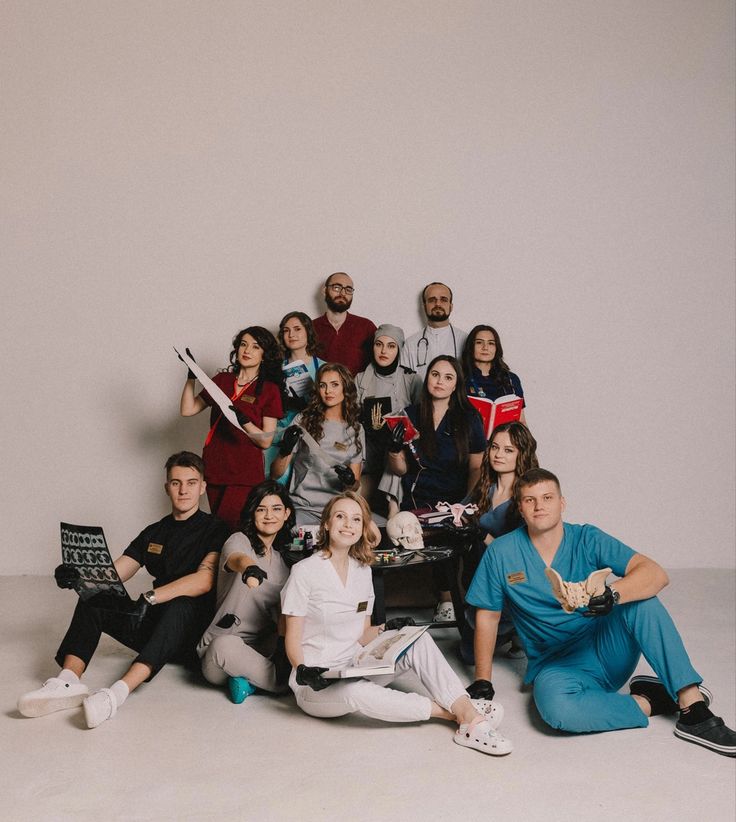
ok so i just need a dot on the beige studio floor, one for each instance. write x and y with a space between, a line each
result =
179 750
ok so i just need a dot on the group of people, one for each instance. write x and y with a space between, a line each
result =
313 449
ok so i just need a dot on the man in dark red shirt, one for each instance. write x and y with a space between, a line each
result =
343 337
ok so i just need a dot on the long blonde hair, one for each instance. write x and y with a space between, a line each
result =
361 550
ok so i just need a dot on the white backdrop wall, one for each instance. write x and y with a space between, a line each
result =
173 171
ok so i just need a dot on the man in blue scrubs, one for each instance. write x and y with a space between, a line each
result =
579 660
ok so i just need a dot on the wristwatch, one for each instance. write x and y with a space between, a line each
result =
616 596
150 597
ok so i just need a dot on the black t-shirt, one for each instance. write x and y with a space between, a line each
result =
170 549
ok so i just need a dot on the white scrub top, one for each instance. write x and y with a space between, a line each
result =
334 614
421 348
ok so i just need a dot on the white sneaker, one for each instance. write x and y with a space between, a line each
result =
54 695
444 612
492 711
99 707
481 737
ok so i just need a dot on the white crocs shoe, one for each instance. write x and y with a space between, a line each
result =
444 612
481 737
492 711
100 706
54 695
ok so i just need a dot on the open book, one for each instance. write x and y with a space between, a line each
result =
496 412
380 656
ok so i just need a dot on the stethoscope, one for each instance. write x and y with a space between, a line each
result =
423 339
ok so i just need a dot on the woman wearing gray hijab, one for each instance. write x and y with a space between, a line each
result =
384 387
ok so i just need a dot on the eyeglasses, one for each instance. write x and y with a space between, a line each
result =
338 289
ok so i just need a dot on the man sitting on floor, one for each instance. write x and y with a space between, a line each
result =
578 660
180 552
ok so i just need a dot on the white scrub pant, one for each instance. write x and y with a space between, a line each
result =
228 656
371 698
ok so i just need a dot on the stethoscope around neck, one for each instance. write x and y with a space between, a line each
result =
422 358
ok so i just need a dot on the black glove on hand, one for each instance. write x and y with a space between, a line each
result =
396 441
312 676
139 611
481 689
66 576
190 374
241 415
291 437
345 475
397 623
254 572
600 605
294 402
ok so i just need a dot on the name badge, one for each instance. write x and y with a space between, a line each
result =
340 446
516 577
362 606
155 548
249 398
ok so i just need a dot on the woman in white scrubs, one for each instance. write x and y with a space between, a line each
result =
327 603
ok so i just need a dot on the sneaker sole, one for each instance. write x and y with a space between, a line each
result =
707 695
725 750
486 749
42 707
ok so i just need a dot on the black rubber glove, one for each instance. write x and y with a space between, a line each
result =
397 623
138 613
396 441
241 415
312 676
291 437
254 572
294 402
190 374
600 605
66 576
345 475
481 689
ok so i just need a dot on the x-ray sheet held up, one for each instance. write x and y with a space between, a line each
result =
379 656
84 547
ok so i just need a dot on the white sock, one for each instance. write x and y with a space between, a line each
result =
120 691
65 675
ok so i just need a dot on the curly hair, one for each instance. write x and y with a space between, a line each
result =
459 414
247 524
312 341
270 369
526 459
500 372
361 550
313 416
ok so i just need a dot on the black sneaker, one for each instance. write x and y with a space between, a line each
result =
710 733
661 702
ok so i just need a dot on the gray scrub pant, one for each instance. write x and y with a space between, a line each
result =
229 656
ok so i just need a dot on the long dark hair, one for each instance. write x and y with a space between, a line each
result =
271 364
313 416
526 459
312 341
265 489
459 414
500 372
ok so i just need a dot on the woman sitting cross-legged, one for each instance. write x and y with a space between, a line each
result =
327 603
242 646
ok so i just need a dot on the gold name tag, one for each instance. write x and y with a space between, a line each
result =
340 446
518 576
362 606
155 548
249 398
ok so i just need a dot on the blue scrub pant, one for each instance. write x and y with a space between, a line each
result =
577 692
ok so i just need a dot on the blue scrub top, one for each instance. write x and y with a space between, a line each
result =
513 572
480 386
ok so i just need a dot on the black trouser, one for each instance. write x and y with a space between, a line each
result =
168 633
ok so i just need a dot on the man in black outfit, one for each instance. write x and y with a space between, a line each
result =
180 552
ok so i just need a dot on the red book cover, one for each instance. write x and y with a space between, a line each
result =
410 432
497 412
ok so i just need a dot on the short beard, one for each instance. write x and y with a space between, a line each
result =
338 308
438 318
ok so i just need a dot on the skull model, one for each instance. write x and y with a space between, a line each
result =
404 529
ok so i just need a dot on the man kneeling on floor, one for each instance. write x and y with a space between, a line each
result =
548 571
180 552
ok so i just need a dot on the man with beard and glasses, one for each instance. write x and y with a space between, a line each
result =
343 337
437 337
